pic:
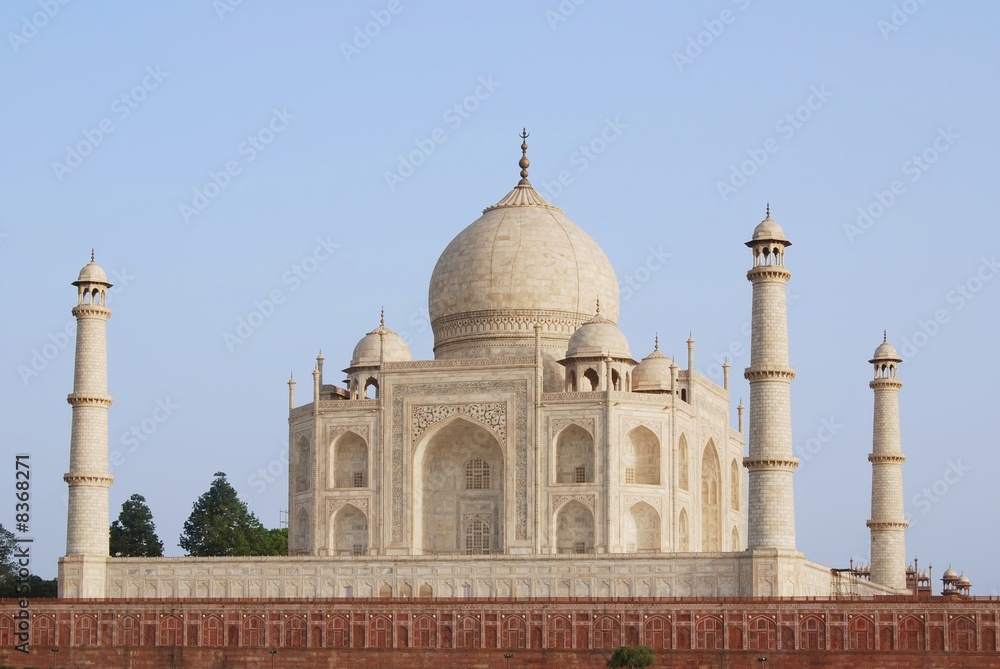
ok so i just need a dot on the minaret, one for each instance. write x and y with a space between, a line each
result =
770 462
888 524
82 571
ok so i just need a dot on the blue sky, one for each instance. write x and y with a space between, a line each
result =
320 156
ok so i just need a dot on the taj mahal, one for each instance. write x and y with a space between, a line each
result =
535 456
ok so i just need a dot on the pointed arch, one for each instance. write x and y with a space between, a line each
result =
734 485
762 634
444 505
812 633
711 499
708 633
642 529
295 631
734 540
683 532
641 457
861 633
593 381
656 632
683 480
302 466
350 461
300 534
574 455
574 525
85 631
911 635
212 632
349 534
513 632
961 634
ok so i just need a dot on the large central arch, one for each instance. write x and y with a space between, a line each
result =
458 481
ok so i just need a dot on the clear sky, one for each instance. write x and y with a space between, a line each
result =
220 155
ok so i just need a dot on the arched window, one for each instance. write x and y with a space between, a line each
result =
477 474
477 537
711 500
682 464
574 456
591 376
683 538
734 485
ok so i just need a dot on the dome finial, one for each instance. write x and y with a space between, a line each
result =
91 254
381 317
767 213
598 306
656 342
524 162
885 336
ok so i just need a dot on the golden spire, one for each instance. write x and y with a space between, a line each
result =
524 163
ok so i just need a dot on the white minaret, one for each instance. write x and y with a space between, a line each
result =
82 571
771 506
888 524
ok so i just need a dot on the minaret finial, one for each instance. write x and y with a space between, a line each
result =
381 317
656 342
885 336
91 254
524 162
768 212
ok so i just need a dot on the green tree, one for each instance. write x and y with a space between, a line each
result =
220 524
631 657
134 534
8 567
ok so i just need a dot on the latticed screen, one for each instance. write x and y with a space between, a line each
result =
358 480
477 474
580 475
580 547
477 538
630 475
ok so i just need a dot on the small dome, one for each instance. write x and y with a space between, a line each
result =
92 273
768 230
598 338
886 351
924 576
369 350
653 373
964 581
949 575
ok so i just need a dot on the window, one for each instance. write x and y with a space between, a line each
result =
358 480
580 475
348 591
477 474
629 475
630 548
477 538
579 547
466 590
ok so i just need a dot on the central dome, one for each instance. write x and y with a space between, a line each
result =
522 263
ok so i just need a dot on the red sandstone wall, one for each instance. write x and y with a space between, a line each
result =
444 634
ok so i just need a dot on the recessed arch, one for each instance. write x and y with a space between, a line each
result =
641 455
574 455
683 466
592 380
734 485
444 506
302 465
683 532
642 529
350 461
349 531
711 499
574 524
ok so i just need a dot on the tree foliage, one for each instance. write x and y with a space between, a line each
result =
8 567
221 525
11 585
134 533
631 657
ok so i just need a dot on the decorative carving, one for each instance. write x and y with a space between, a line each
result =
397 397
587 500
335 431
493 415
333 505
557 424
654 501
629 424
